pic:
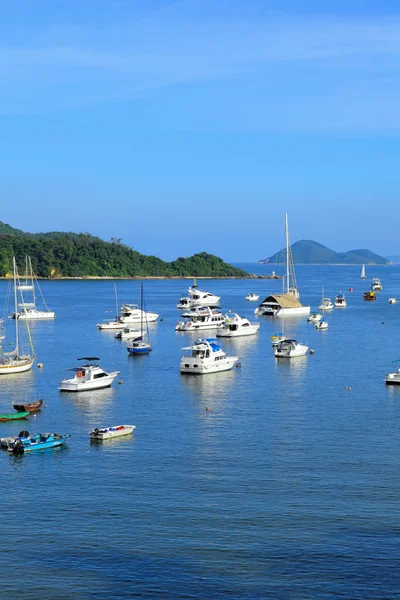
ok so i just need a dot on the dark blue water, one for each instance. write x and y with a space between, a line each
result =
288 487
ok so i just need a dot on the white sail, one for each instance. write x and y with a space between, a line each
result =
363 275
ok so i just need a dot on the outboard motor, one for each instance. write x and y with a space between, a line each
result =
23 433
17 447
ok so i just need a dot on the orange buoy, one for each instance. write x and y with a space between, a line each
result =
207 408
350 289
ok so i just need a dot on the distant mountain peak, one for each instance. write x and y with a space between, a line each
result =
310 252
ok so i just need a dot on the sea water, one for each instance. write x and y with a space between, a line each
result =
278 479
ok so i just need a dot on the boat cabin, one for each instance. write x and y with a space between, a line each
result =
275 302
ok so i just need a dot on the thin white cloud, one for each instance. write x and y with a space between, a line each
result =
356 59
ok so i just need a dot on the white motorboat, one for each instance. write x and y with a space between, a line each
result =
322 324
252 297
286 304
290 349
340 300
236 326
363 275
29 310
196 297
392 301
106 433
111 325
88 376
130 313
326 304
314 317
204 357
376 285
15 361
201 318
128 334
393 378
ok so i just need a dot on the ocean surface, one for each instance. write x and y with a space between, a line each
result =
287 487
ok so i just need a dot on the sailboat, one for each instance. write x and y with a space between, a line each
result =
14 361
363 275
288 303
322 324
28 310
117 323
142 344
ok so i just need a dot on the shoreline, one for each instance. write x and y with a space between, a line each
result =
147 278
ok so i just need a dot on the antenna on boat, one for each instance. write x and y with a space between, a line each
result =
116 300
287 252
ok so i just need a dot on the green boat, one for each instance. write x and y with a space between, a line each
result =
14 416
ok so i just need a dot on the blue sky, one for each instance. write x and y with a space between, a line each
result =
183 126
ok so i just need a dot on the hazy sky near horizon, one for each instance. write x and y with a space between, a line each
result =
191 125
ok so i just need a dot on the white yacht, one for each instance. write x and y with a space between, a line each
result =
128 334
393 378
392 301
201 318
376 285
326 304
236 326
252 297
340 300
321 325
290 349
129 313
88 376
288 303
29 310
314 317
196 297
205 356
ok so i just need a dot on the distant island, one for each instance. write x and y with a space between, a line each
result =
307 252
74 255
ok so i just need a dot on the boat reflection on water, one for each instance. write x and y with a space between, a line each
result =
212 389
26 383
295 367
240 346
91 403
111 444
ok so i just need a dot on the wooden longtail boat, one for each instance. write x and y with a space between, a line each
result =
29 406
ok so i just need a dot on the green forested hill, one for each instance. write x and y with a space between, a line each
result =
309 252
83 255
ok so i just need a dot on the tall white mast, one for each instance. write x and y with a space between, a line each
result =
15 307
116 302
287 253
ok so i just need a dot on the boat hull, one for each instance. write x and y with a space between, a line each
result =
20 367
107 433
300 350
14 416
300 311
194 367
242 331
30 407
36 316
71 385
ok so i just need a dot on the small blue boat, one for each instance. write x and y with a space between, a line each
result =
42 441
141 345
